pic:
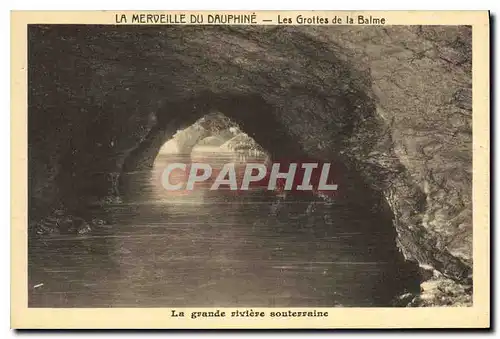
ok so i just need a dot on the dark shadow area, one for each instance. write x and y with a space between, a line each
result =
120 241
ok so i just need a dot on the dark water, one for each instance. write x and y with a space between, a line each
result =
217 248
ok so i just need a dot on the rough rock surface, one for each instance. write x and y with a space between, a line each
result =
393 104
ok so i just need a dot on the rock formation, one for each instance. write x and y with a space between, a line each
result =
392 104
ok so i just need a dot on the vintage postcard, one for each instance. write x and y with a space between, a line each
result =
182 170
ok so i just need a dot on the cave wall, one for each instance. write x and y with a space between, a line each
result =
391 103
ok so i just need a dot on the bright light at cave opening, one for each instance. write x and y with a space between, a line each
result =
215 141
213 133
170 147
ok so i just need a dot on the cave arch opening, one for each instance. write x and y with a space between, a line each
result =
213 141
246 117
350 240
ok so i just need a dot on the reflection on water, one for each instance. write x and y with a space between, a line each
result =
216 248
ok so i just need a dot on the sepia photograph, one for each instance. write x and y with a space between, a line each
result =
295 164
